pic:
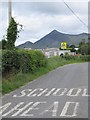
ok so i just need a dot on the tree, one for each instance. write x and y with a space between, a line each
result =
73 48
4 44
12 34
84 49
82 43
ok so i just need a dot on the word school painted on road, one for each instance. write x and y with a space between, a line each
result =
31 109
53 91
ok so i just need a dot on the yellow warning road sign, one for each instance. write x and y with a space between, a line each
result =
63 45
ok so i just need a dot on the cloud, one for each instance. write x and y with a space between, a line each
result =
50 7
38 19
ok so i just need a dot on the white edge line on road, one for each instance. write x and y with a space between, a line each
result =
39 78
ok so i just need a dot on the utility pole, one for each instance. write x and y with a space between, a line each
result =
10 10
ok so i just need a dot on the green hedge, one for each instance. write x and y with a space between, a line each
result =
10 61
83 58
22 60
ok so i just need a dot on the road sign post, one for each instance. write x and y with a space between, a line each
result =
63 46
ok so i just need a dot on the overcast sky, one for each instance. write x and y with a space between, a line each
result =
40 18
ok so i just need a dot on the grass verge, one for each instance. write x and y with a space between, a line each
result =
14 81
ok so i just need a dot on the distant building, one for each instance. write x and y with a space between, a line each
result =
27 48
76 48
51 52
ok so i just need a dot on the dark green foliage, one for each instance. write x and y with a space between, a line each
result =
68 57
72 48
40 58
89 48
84 49
4 44
61 55
10 61
85 58
22 60
32 60
82 58
11 34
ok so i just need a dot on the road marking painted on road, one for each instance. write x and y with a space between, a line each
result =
66 107
23 109
15 108
4 107
46 91
73 92
22 93
85 92
70 93
52 109
33 94
31 108
59 90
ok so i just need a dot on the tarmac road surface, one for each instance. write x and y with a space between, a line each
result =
62 93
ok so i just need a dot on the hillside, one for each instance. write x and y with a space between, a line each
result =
53 39
27 44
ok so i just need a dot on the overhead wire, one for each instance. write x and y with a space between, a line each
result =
75 14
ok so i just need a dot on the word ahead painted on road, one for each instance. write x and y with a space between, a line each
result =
73 92
26 110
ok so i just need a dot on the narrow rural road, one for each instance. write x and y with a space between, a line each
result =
62 93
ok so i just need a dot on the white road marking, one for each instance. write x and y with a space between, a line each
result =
85 92
56 92
31 108
73 92
73 89
46 91
52 109
23 93
3 108
60 94
50 92
15 108
21 109
66 107
33 94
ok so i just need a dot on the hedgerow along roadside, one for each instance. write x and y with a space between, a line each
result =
14 61
21 66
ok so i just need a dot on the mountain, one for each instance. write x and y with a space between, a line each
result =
53 39
27 44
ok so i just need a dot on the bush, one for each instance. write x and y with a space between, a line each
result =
85 57
41 61
10 61
22 60
69 57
